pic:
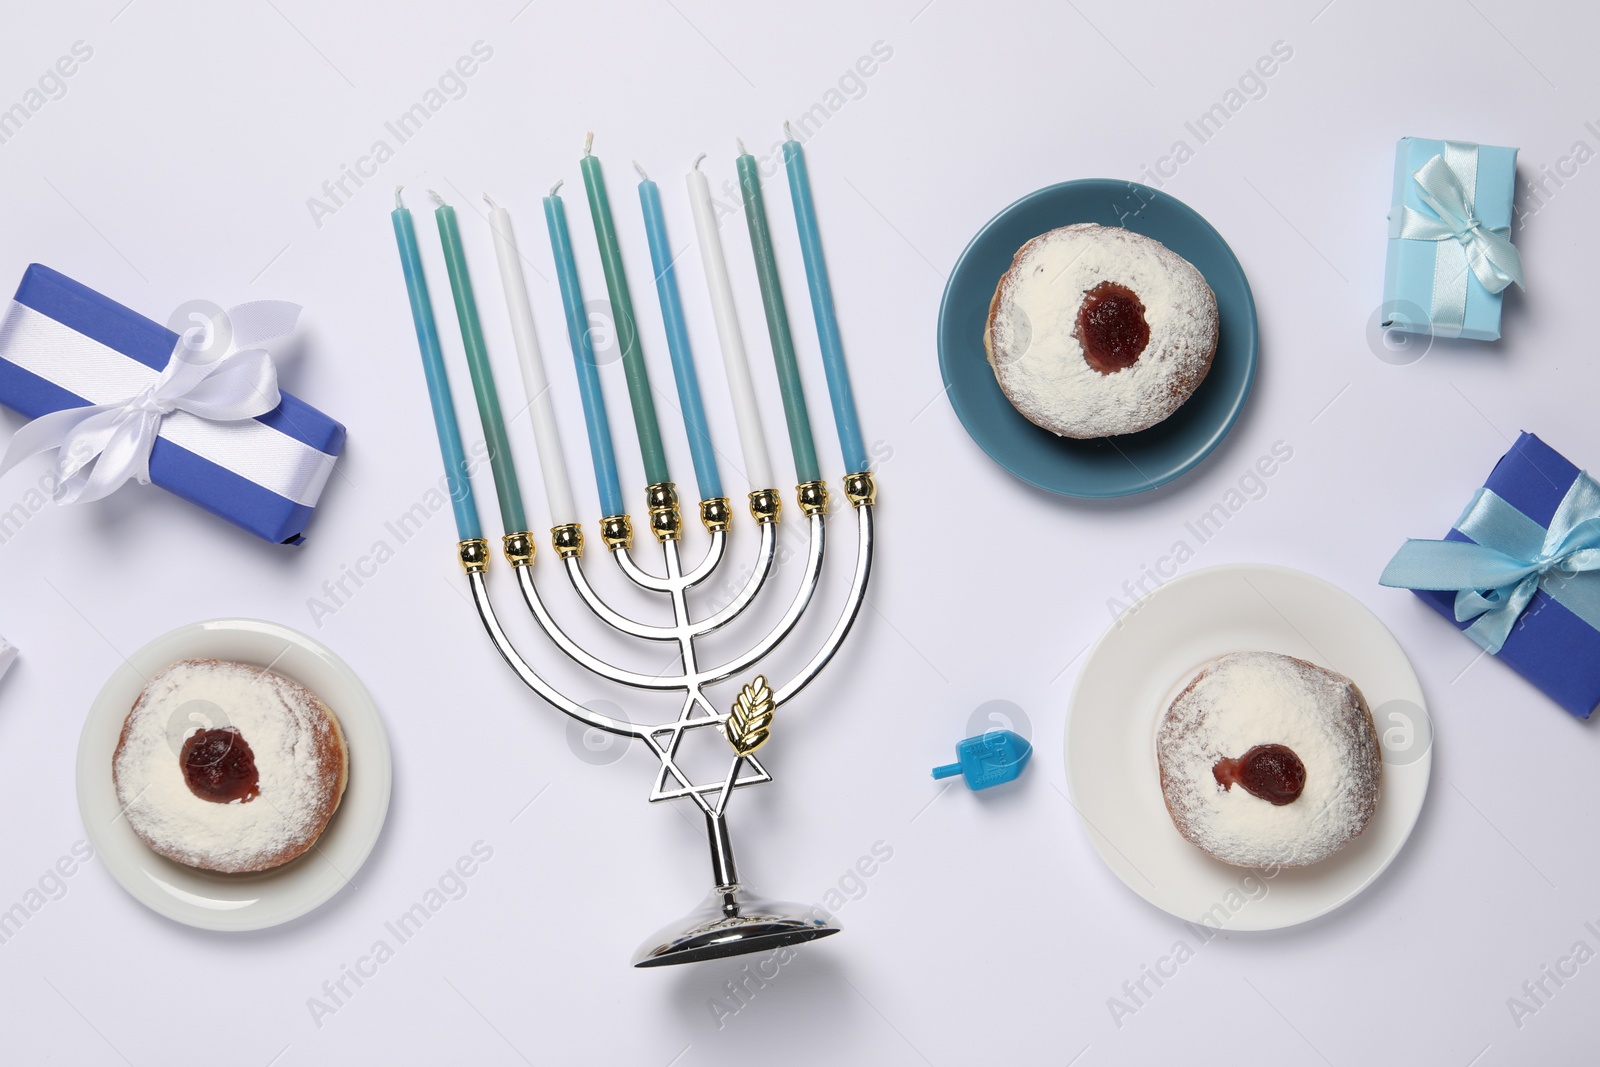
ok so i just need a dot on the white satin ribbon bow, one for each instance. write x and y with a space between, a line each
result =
101 446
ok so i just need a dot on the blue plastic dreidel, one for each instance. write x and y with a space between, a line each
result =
990 759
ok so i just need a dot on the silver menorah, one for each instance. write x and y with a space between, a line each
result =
732 920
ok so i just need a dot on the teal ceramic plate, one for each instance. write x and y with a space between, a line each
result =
1110 466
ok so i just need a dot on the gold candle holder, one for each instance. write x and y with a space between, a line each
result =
518 548
813 497
666 521
766 505
616 531
715 514
567 540
474 555
860 489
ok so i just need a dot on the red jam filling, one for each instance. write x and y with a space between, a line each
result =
1272 772
1111 327
219 766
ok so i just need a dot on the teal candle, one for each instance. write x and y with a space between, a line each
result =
494 424
794 397
594 401
644 406
805 218
706 475
444 411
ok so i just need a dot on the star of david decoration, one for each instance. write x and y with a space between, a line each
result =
667 752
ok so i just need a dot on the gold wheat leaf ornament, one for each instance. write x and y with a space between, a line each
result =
750 722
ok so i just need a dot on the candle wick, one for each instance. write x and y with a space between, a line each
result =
557 186
642 175
740 142
488 200
588 143
788 130
437 199
398 203
697 160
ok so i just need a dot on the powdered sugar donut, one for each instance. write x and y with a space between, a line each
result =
1269 761
1096 331
227 767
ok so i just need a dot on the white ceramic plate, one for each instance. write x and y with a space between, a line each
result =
238 901
1138 667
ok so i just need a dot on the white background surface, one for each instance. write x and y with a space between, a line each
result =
178 165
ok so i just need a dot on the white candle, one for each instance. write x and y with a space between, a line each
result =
758 466
552 462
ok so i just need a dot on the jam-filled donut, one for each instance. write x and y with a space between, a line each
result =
1096 331
227 767
1269 761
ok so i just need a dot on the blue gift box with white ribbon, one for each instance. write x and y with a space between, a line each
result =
1450 256
217 444
1519 572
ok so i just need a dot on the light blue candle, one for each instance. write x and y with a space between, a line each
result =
844 400
444 412
694 412
594 401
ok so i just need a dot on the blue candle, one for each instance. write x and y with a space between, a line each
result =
594 401
694 412
805 217
444 412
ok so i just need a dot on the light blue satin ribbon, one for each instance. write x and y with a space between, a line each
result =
1448 184
1514 557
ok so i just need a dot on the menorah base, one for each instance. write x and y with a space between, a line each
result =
732 921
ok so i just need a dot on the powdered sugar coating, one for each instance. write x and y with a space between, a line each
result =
299 754
1246 699
1034 349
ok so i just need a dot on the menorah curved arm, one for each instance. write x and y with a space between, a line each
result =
765 554
719 541
639 576
802 598
852 608
530 678
609 615
530 593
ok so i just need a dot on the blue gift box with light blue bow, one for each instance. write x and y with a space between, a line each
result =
1450 256
1520 572
222 437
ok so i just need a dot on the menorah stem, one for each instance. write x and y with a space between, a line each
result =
723 871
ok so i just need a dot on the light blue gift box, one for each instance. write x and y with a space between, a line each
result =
1408 277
